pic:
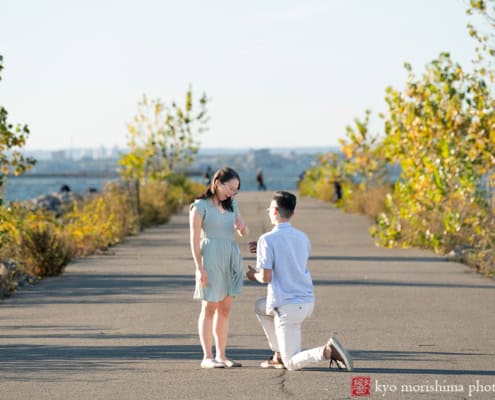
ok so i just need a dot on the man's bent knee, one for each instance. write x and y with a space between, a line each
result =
260 306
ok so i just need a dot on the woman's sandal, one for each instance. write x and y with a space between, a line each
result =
211 363
230 363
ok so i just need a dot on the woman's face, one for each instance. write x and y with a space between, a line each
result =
227 189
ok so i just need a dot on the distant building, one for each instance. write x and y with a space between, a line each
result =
259 158
100 153
59 155
115 153
88 154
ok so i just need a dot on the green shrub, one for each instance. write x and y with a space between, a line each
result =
155 203
158 200
103 220
193 190
43 244
483 262
370 202
44 251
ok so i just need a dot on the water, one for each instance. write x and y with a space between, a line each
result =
23 188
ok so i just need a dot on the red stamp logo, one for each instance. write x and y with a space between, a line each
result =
360 386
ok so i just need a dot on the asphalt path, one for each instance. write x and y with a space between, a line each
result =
124 325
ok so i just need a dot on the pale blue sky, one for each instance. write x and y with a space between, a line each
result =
279 72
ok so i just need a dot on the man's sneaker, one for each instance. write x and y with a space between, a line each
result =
339 355
274 362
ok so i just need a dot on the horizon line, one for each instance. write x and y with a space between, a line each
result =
199 150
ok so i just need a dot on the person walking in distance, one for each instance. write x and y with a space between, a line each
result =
260 179
213 218
282 262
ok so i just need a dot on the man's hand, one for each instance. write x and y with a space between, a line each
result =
250 274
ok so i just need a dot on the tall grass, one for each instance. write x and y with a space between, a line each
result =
156 203
44 250
358 200
370 202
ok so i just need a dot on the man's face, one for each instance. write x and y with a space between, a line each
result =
272 212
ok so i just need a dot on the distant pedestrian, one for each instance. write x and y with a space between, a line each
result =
337 186
213 218
64 188
260 180
282 262
300 178
207 175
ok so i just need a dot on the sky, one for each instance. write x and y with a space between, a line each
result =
278 73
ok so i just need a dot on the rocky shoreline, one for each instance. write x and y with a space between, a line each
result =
12 277
57 202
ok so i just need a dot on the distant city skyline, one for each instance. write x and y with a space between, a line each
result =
286 73
102 152
281 170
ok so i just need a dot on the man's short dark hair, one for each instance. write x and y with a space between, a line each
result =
286 203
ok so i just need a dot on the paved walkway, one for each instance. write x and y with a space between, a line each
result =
123 326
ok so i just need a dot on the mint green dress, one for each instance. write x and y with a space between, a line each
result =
221 255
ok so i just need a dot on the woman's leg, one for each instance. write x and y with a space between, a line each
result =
221 326
205 327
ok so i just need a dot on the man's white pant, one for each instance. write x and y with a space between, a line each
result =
283 330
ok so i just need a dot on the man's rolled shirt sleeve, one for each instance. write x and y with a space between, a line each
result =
264 255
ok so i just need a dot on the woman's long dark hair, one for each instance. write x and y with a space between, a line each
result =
223 175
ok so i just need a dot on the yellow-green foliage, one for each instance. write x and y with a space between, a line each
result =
319 181
193 190
163 138
361 171
103 220
36 241
45 251
481 260
159 199
14 221
307 185
42 244
319 187
364 165
370 202
440 131
325 190
12 139
156 203
8 231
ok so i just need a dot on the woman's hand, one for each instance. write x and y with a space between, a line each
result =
241 228
202 277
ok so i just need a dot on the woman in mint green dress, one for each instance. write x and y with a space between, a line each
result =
213 219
